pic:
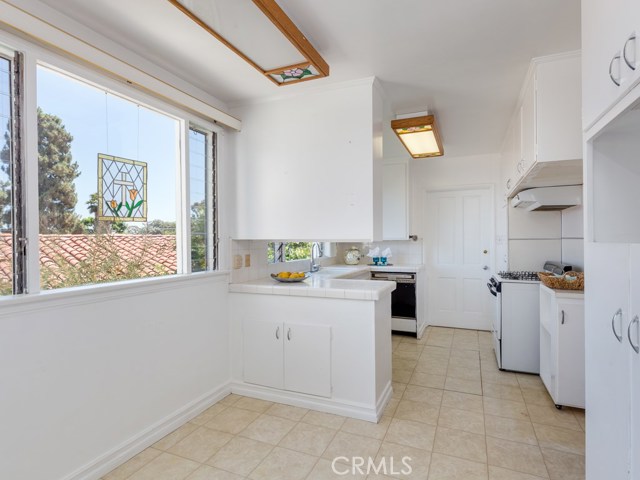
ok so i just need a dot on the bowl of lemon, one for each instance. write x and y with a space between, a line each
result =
290 277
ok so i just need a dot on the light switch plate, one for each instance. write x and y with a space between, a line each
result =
247 260
237 261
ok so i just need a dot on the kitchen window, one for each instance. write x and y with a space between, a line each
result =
288 251
110 203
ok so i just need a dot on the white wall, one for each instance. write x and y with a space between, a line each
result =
535 237
91 376
307 166
86 374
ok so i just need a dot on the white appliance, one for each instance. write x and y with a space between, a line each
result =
516 320
548 198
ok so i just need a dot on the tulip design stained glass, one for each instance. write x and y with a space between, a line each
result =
122 189
294 74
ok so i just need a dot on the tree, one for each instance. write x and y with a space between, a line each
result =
56 175
94 225
198 237
5 181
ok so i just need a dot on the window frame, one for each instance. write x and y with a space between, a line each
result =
34 56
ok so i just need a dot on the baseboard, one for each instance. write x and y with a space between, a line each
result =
387 393
348 409
131 447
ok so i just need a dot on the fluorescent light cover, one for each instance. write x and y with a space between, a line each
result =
419 135
420 143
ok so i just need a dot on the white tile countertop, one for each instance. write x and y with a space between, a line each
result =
330 282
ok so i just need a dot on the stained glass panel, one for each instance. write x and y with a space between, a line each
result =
122 189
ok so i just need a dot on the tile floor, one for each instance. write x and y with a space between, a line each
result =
453 412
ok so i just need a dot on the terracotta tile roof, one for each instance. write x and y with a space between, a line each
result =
98 258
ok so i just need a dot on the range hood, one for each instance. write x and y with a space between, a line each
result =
548 198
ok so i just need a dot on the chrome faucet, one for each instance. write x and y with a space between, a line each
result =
315 247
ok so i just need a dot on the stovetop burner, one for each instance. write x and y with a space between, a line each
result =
524 275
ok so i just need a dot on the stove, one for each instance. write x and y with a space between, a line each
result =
527 276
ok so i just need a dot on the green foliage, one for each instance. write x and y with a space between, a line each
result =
5 184
56 176
297 251
198 237
154 227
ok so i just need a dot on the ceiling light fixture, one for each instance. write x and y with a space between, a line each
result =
419 134
260 33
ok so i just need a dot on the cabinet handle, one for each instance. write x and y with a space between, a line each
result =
632 38
509 183
636 348
613 79
289 334
278 333
613 324
562 321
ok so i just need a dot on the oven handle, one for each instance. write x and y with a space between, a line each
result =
492 291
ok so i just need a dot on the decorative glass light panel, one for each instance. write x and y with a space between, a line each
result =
122 189
419 135
262 34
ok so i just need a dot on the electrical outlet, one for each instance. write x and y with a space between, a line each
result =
247 260
237 261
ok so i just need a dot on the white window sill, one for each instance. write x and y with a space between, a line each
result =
93 293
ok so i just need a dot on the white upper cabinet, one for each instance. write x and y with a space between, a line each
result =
611 53
309 167
544 141
395 201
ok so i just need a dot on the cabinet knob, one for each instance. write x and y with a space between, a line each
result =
615 80
618 314
631 64
636 347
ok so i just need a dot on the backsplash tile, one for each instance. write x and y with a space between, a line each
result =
259 267
404 252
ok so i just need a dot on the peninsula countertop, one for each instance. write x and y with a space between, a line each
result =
333 281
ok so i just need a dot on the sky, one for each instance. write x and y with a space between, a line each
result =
108 124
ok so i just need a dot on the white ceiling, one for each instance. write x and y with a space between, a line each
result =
464 60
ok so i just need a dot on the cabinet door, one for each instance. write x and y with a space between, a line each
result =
528 125
558 110
634 265
547 325
607 361
307 359
570 354
606 24
262 344
395 211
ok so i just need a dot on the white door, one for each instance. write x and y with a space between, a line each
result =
307 359
458 253
607 375
262 349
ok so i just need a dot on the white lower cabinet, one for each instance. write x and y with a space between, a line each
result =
607 358
633 339
287 356
562 345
